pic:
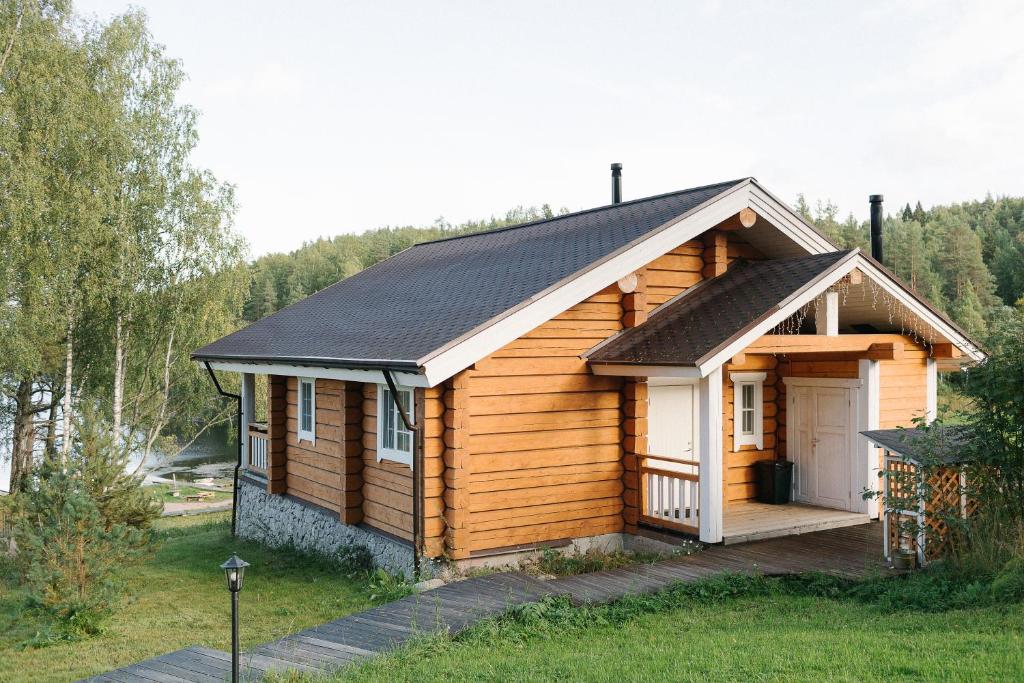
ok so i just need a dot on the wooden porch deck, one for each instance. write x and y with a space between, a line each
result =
750 521
851 551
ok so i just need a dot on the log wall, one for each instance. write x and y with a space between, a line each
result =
544 434
738 477
314 470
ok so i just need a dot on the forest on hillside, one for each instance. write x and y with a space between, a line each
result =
966 258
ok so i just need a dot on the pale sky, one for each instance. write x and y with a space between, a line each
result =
335 117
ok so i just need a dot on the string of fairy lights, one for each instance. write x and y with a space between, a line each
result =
898 315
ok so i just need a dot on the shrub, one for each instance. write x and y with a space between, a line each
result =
77 526
385 587
355 560
1008 586
70 557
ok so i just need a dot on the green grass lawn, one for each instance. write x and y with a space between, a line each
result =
769 636
177 598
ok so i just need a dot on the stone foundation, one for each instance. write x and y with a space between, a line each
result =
280 520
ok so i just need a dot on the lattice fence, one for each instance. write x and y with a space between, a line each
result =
917 510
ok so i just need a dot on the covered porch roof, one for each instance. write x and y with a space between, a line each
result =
760 307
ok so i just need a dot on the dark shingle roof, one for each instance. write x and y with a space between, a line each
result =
942 443
712 313
402 309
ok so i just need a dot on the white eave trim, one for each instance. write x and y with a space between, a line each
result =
496 333
407 379
628 370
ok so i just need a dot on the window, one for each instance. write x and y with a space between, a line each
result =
394 441
307 409
748 409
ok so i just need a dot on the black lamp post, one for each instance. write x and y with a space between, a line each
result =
234 570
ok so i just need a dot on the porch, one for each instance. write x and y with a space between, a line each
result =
752 521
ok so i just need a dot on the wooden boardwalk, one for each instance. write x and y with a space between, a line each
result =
849 552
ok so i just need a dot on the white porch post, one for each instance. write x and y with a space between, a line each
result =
710 513
826 314
248 412
932 389
867 419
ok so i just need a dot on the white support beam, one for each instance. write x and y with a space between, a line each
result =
867 419
248 412
710 514
931 410
826 314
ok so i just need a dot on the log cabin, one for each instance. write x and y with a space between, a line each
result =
587 379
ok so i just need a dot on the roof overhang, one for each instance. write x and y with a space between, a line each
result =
497 332
757 328
373 373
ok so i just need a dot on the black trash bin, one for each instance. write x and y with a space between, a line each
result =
774 481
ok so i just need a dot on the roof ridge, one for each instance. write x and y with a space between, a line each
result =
582 212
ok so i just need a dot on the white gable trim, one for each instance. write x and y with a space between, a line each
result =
370 376
496 333
897 291
803 296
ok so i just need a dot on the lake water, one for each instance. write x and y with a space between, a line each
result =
212 456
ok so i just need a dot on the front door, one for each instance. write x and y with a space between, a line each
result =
671 428
822 456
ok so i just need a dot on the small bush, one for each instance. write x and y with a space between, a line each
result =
69 556
355 560
1008 586
385 587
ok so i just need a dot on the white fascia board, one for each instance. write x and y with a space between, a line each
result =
615 370
883 280
787 220
407 379
493 335
786 309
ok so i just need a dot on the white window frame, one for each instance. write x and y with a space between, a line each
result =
384 405
740 380
307 434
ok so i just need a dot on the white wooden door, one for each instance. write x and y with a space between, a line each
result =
823 437
670 421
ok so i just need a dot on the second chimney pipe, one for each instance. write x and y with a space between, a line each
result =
616 183
876 226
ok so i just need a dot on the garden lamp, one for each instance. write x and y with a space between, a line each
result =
234 571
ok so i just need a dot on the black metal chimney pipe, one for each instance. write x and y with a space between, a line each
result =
876 226
616 183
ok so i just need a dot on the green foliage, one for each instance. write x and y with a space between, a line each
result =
808 627
967 259
102 464
387 587
1008 586
355 561
77 527
554 562
71 557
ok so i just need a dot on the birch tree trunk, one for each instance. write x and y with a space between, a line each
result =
51 423
69 360
118 400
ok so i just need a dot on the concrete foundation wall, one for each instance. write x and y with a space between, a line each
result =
279 520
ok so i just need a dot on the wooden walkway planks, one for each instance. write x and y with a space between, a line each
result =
851 552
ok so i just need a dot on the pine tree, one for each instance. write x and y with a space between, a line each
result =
919 214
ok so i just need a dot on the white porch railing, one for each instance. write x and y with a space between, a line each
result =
670 490
258 446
